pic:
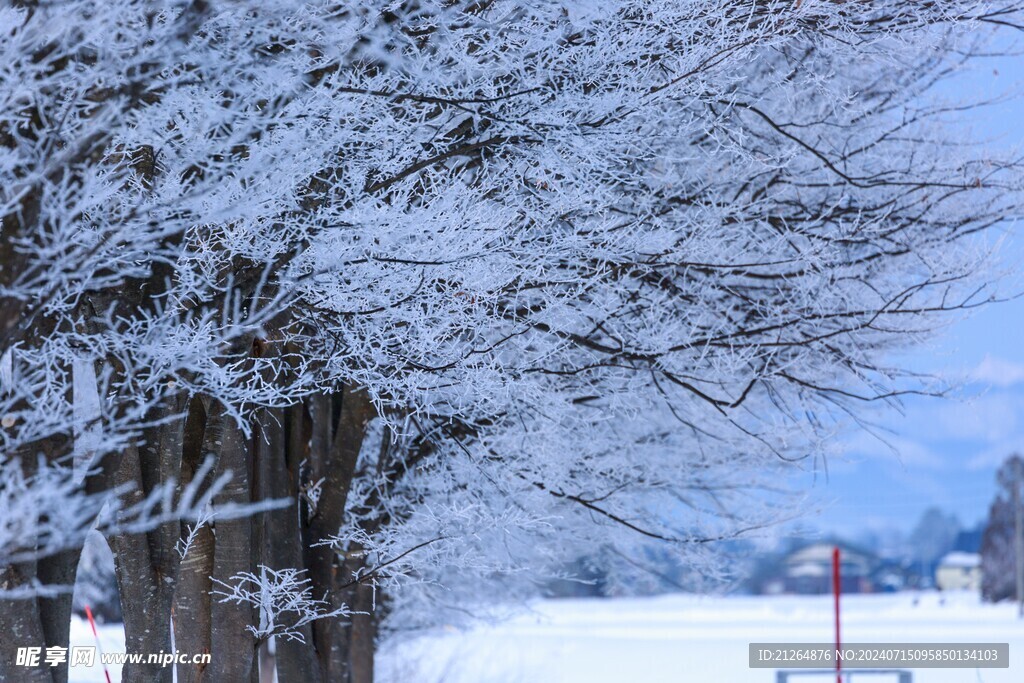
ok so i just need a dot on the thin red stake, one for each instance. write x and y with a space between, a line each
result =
836 590
96 635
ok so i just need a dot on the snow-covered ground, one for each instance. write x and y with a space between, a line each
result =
111 640
676 638
682 639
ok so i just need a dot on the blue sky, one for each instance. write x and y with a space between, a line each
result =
948 450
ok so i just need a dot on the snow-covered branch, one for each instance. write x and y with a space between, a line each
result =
283 598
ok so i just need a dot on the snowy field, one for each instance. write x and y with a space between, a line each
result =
675 639
682 639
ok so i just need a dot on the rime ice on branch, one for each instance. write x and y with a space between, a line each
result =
476 288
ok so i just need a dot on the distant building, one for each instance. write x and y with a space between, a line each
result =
809 569
959 571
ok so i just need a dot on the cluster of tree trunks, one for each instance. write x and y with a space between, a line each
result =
166 599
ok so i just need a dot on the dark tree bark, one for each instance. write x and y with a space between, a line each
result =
191 610
37 621
232 646
338 469
287 442
192 604
58 569
141 595
147 563
55 612
363 634
21 627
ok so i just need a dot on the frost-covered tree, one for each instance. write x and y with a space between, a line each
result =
475 287
998 551
933 536
140 230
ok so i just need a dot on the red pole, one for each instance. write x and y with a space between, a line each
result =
96 635
836 591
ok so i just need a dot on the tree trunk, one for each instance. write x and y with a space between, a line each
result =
58 569
147 563
40 622
191 611
362 635
288 437
55 612
192 604
146 627
232 645
21 627
352 418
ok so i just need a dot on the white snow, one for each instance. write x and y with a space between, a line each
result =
679 639
958 559
111 640
671 639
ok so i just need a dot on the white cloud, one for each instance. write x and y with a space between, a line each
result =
998 372
993 456
902 452
987 419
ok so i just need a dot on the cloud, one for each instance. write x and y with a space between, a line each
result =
993 456
998 372
896 449
985 420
